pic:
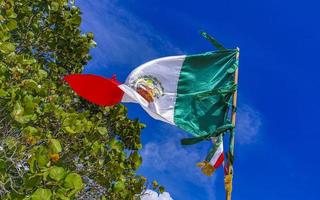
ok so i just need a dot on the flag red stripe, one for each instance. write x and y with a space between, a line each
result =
219 161
96 89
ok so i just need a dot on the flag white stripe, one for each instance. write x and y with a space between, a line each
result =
167 71
130 95
216 155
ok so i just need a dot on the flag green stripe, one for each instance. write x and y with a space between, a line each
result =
199 110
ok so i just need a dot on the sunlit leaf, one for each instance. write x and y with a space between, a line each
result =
118 186
55 146
57 173
102 130
12 24
7 47
73 181
41 194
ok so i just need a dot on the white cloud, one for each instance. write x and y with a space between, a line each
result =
248 124
166 156
122 38
152 195
169 154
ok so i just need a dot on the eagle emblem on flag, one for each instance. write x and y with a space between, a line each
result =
149 87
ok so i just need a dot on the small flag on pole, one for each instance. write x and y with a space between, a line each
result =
214 159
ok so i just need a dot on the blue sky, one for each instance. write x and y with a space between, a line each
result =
277 133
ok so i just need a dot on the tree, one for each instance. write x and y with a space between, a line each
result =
54 145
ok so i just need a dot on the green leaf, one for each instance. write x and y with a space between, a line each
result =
12 24
29 104
96 147
3 93
102 130
101 162
42 74
155 184
30 182
139 146
61 196
41 194
31 84
3 166
18 110
11 14
29 61
68 129
7 47
20 114
32 164
76 20
90 35
25 119
11 142
161 189
30 130
118 186
73 181
55 146
55 6
136 159
57 173
42 156
114 144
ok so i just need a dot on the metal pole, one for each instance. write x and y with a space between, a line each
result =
229 176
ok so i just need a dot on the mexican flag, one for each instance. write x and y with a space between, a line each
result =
189 91
192 92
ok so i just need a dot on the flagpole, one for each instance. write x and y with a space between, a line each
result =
229 176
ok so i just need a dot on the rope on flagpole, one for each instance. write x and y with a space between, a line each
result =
229 176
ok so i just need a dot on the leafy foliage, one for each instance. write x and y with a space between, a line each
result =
54 145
